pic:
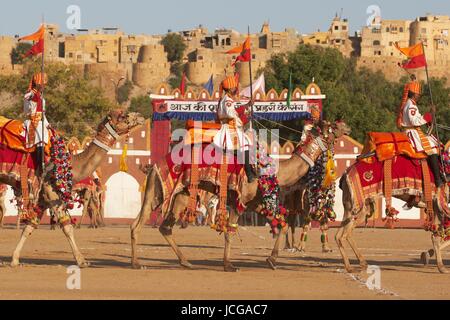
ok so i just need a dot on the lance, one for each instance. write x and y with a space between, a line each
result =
43 102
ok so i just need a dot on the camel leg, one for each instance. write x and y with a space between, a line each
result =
351 241
27 231
68 231
228 265
304 238
345 233
136 229
2 211
275 253
166 231
438 245
324 239
18 222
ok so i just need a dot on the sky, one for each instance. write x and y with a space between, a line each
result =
157 17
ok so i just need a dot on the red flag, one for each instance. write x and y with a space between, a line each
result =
415 54
183 85
244 50
415 62
36 49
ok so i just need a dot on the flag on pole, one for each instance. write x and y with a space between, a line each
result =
38 39
259 85
415 55
289 95
183 85
38 35
244 51
210 85
36 49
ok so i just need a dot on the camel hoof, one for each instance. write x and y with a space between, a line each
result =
15 264
327 250
84 265
443 269
186 265
272 263
137 266
231 268
425 258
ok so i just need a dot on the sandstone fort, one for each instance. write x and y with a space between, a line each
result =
111 54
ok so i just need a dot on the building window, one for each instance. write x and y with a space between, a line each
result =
118 145
253 56
70 55
376 43
348 163
355 150
344 28
336 28
387 29
131 141
423 30
110 160
401 29
138 161
342 144
143 134
390 43
115 53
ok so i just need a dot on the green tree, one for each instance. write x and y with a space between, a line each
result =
174 46
74 106
123 92
17 53
142 105
366 100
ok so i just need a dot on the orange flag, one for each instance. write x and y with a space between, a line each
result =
415 55
37 36
411 52
243 50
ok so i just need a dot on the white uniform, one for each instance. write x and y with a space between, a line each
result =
413 118
226 135
30 109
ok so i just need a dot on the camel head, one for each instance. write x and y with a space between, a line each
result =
122 122
340 129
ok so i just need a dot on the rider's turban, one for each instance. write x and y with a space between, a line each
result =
40 79
229 83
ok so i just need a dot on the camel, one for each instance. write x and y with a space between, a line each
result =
290 172
114 127
92 207
352 218
297 204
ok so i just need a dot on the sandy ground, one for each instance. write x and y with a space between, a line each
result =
314 275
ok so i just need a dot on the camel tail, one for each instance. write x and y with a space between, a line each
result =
341 182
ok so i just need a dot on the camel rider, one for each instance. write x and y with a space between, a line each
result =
231 136
411 120
312 123
34 106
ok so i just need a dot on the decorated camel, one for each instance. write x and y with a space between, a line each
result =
19 171
91 197
242 193
393 172
297 204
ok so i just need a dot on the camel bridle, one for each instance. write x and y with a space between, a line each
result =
108 135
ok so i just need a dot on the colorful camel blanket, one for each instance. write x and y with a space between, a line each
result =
366 180
13 135
173 168
87 183
11 163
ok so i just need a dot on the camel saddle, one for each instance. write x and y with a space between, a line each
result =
387 145
12 135
201 134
